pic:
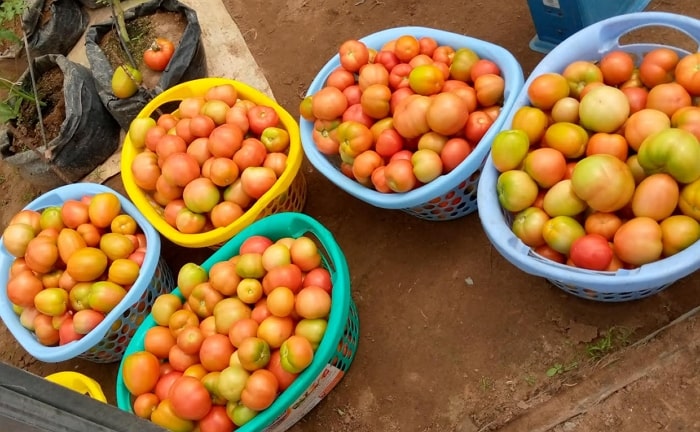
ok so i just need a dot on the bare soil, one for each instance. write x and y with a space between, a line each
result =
452 336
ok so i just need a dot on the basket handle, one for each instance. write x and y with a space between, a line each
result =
606 34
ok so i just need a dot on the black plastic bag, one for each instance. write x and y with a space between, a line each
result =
92 4
88 136
188 61
68 20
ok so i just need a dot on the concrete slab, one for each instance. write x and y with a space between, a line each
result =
226 51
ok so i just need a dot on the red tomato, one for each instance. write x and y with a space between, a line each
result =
158 55
284 378
215 352
592 251
287 275
482 67
617 67
398 76
478 123
454 152
166 381
216 421
190 399
340 78
261 117
357 114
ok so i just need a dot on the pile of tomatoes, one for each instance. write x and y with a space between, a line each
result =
209 161
404 114
602 169
73 264
237 336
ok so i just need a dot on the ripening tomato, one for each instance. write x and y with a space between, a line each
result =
158 340
340 78
215 352
353 55
638 241
140 371
658 66
329 103
546 89
260 390
617 67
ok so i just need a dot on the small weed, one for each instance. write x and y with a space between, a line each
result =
530 379
561 368
614 338
486 383
3 179
28 196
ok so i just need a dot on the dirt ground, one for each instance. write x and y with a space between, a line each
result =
453 337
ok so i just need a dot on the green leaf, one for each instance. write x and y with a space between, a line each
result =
553 371
6 113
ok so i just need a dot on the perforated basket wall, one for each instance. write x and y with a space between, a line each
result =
111 348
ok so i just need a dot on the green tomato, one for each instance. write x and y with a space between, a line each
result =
673 151
126 81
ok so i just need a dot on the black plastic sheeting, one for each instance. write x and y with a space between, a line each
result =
92 4
88 135
60 33
188 61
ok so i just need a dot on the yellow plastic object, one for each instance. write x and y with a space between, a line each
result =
153 212
79 383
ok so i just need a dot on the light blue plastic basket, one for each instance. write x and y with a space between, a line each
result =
591 43
108 341
452 195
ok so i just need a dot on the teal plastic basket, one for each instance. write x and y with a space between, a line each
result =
591 43
336 351
108 341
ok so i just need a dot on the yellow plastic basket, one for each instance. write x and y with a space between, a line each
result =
288 193
78 382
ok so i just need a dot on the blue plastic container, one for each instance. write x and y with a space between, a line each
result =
449 196
108 341
590 43
556 20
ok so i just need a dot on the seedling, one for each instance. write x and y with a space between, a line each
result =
560 368
9 11
615 337
10 107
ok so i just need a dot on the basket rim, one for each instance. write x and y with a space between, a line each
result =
277 225
665 271
65 352
217 235
512 73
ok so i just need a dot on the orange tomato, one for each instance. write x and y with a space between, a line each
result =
158 340
406 47
613 144
275 330
546 89
617 67
312 302
140 372
215 352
